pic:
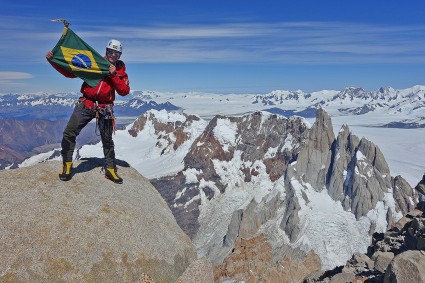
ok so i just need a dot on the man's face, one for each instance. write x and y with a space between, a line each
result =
112 55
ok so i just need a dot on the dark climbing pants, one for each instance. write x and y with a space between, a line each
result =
79 119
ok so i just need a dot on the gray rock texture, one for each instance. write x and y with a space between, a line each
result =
290 221
360 175
406 267
382 260
344 151
358 263
87 229
403 193
373 178
199 271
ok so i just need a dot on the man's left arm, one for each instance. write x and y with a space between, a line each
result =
120 80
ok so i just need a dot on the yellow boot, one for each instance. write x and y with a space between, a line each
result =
111 174
65 172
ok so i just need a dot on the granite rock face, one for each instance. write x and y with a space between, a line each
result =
252 261
404 194
359 176
315 155
87 229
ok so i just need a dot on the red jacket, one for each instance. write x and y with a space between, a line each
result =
104 91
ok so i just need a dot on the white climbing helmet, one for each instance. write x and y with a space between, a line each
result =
114 45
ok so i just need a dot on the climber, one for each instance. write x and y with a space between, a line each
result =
96 102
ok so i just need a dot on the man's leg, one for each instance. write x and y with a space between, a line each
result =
78 120
109 150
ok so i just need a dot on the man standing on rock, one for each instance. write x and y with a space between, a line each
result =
96 102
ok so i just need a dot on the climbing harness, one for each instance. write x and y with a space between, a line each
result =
104 115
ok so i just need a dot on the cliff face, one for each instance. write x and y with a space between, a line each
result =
87 229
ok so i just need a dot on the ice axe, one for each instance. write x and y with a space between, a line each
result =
65 22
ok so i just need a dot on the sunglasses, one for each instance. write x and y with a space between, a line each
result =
113 52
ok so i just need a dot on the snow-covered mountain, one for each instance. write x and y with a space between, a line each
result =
402 108
60 106
296 183
386 107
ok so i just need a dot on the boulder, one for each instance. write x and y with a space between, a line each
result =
87 229
406 267
358 263
382 260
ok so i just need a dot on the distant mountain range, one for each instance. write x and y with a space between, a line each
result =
22 139
59 106
403 108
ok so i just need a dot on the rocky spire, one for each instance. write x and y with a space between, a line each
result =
315 155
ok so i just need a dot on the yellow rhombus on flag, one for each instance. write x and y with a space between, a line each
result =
76 56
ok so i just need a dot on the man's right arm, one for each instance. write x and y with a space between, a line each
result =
66 73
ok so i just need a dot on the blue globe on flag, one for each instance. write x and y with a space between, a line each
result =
81 61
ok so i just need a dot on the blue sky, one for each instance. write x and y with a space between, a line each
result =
223 46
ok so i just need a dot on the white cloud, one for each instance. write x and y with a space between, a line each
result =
294 43
7 76
11 80
249 42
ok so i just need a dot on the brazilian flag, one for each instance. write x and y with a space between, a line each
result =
76 56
